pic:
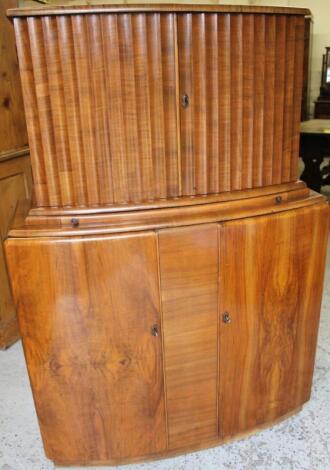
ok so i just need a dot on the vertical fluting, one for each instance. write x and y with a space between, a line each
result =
57 103
44 109
103 98
290 62
212 102
31 111
100 109
269 103
236 100
248 100
224 116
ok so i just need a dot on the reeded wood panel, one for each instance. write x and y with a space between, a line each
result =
86 308
189 287
270 283
243 75
100 99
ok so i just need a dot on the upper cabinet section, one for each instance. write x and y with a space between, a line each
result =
127 105
243 76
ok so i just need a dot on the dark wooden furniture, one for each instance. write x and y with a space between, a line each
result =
322 105
314 146
169 273
15 172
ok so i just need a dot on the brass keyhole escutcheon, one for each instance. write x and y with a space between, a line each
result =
155 330
226 317
185 100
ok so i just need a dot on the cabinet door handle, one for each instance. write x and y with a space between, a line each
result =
185 100
154 330
226 317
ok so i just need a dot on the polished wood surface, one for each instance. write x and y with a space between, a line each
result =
106 121
164 218
95 368
168 274
273 297
241 129
189 286
127 350
89 6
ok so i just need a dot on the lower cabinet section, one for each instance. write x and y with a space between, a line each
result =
157 342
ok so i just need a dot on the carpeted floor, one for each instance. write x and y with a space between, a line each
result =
300 443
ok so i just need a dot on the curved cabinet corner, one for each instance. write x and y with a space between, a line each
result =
87 307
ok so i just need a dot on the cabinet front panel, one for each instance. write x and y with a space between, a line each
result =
243 76
100 100
86 311
271 276
189 286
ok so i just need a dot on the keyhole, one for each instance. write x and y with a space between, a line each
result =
154 330
185 100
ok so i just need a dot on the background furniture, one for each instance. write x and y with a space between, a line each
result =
169 273
314 146
322 105
15 174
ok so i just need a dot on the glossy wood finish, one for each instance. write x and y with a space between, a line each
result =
273 297
100 97
163 218
95 368
89 6
153 217
104 135
189 286
241 128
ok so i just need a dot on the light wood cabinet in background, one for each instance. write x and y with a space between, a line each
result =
15 172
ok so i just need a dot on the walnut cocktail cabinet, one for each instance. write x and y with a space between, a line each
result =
168 273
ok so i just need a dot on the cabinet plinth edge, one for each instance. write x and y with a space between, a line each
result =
26 224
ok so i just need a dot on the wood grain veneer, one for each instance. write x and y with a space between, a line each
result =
189 286
168 275
93 350
96 369
103 100
273 296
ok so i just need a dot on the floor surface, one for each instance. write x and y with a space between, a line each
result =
300 443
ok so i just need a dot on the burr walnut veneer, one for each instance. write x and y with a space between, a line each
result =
168 274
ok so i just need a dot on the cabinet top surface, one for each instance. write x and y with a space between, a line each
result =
60 7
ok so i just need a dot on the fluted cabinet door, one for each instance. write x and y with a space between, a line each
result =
88 308
101 107
242 75
270 290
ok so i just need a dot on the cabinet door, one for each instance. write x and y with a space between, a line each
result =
243 76
108 106
271 276
86 310
189 285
